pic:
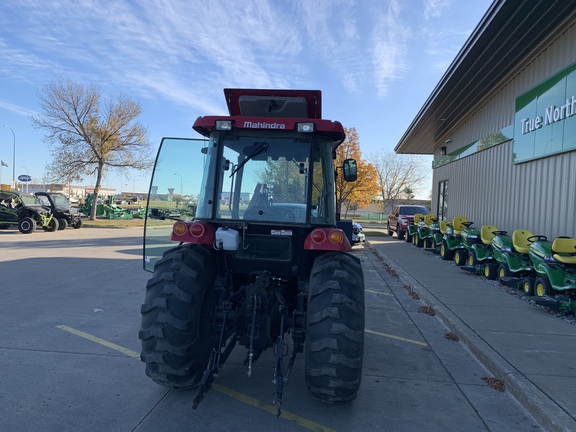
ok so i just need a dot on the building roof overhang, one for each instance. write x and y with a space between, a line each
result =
507 34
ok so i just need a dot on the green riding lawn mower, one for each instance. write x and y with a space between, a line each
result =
423 236
511 265
540 268
413 226
477 252
452 240
554 266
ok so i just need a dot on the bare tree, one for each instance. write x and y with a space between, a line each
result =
398 174
88 136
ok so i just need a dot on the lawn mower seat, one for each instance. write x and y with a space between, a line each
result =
443 225
564 250
487 233
520 240
418 217
429 219
457 224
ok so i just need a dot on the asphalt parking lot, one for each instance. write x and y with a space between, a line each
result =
69 355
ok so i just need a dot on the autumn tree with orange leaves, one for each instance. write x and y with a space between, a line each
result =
358 194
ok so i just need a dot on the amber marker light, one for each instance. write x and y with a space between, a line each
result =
179 228
336 236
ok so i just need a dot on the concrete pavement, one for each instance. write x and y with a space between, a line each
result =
530 349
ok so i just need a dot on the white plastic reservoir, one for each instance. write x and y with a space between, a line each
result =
227 239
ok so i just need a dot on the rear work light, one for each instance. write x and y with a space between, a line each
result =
306 127
224 125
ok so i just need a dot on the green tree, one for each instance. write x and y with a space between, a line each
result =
285 180
90 136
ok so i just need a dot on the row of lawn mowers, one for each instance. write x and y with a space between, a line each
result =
539 267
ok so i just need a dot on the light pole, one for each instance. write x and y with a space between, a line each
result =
181 191
13 158
28 176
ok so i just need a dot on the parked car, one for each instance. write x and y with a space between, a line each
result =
22 210
401 216
357 234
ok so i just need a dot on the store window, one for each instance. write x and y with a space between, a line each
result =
442 209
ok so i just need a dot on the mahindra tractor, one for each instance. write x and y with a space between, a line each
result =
254 253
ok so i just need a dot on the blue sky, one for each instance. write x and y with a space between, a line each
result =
376 61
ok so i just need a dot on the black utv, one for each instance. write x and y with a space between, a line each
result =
60 207
22 210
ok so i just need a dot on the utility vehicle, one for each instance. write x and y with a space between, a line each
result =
60 207
259 256
21 209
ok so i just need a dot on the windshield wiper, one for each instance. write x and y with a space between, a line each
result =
258 150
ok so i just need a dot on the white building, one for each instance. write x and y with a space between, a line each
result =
501 123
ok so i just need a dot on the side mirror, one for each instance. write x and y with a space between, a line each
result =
350 170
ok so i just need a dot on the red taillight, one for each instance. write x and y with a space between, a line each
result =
318 236
196 229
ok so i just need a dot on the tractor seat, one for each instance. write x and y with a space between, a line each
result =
418 217
487 234
457 224
564 250
443 225
520 240
429 219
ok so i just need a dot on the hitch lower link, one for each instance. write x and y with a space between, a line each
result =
218 357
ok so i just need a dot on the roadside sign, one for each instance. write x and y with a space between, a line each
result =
24 178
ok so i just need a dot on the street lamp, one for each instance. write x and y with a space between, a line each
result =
181 191
26 181
13 158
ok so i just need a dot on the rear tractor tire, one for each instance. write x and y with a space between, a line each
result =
177 317
334 349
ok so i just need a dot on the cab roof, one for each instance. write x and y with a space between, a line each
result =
274 103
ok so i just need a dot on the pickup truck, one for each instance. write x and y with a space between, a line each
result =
401 216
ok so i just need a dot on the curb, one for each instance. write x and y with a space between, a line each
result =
544 410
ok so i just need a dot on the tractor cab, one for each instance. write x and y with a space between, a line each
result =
267 168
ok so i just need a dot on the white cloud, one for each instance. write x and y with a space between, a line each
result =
389 53
21 111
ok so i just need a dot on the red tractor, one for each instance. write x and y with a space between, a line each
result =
255 252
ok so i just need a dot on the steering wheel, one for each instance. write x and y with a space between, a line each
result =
536 238
497 233
467 224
